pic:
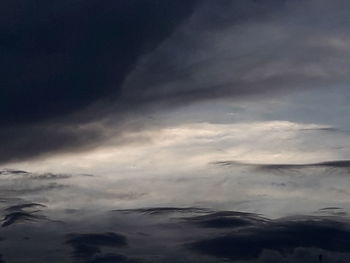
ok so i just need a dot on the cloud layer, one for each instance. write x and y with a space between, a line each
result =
75 72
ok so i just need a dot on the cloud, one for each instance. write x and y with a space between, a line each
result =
11 171
340 164
23 206
19 187
185 235
58 59
33 189
335 211
227 219
74 73
109 258
23 213
245 48
17 217
174 166
87 246
164 210
282 142
69 54
28 176
283 236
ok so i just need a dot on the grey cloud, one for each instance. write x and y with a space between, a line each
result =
50 176
11 171
227 219
255 47
21 216
332 211
23 206
164 210
23 213
27 176
18 185
340 164
32 189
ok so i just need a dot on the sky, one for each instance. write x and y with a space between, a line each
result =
174 131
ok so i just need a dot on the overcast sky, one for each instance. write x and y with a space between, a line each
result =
82 75
93 79
222 105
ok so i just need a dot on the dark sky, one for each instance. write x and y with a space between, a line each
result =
74 71
59 58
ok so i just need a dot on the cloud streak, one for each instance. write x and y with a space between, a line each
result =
341 164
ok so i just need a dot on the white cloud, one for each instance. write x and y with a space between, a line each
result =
191 146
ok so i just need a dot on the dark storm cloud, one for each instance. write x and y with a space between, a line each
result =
283 236
73 70
24 141
160 238
87 246
105 239
108 258
58 58
291 239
